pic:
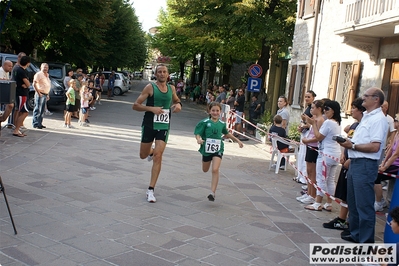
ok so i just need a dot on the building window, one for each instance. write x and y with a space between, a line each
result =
297 87
344 82
306 8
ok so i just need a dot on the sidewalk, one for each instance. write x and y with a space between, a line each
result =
78 198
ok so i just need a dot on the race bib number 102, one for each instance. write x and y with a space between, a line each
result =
212 145
162 118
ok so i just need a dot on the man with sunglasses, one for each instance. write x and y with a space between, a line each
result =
364 151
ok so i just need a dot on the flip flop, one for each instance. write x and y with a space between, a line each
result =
18 135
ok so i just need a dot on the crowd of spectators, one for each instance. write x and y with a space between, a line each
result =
368 150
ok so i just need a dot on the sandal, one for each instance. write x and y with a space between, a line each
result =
314 207
18 135
327 207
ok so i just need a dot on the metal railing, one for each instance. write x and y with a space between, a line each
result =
358 10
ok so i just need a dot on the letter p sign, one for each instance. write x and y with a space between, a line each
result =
254 84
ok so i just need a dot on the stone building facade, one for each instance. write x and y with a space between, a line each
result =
341 48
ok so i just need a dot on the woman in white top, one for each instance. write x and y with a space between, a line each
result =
282 104
311 147
329 153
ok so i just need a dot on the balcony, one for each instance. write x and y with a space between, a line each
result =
370 18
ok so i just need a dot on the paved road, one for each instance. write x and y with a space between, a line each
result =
78 198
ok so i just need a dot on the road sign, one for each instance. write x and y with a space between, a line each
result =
255 71
254 84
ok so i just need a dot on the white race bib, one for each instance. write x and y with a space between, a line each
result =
162 118
212 145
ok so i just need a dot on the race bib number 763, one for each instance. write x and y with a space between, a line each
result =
212 145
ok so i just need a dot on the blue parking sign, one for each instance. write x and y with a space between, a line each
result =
254 84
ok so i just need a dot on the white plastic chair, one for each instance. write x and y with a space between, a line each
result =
293 147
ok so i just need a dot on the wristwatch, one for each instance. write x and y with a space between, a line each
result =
353 146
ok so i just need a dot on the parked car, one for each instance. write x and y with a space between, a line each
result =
126 77
138 75
57 92
120 83
58 71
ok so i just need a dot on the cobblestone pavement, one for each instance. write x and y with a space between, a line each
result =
78 198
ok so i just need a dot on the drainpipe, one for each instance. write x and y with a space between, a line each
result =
312 47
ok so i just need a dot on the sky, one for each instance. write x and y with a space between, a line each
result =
147 12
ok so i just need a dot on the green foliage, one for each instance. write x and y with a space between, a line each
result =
265 121
266 118
293 132
81 32
227 30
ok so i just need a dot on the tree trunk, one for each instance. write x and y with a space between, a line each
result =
194 70
181 64
263 61
226 73
212 67
201 69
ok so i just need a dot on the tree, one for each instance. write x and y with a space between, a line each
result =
242 29
125 41
81 32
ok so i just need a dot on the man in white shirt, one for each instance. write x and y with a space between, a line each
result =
364 151
5 70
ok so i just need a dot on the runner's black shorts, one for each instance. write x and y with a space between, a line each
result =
148 135
209 158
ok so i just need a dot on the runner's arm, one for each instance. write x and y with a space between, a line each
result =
139 106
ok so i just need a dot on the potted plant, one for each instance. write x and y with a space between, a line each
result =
264 123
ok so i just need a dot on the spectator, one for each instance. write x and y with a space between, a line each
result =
187 92
85 97
303 128
391 126
277 129
326 166
390 165
13 118
395 229
340 222
283 111
239 107
111 85
5 70
231 99
68 78
179 88
22 91
98 81
42 85
70 103
365 150
78 85
311 154
222 95
254 113
197 93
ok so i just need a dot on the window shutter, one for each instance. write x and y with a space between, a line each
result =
305 84
356 67
301 10
332 84
291 87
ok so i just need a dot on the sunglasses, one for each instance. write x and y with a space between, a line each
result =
327 108
395 120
